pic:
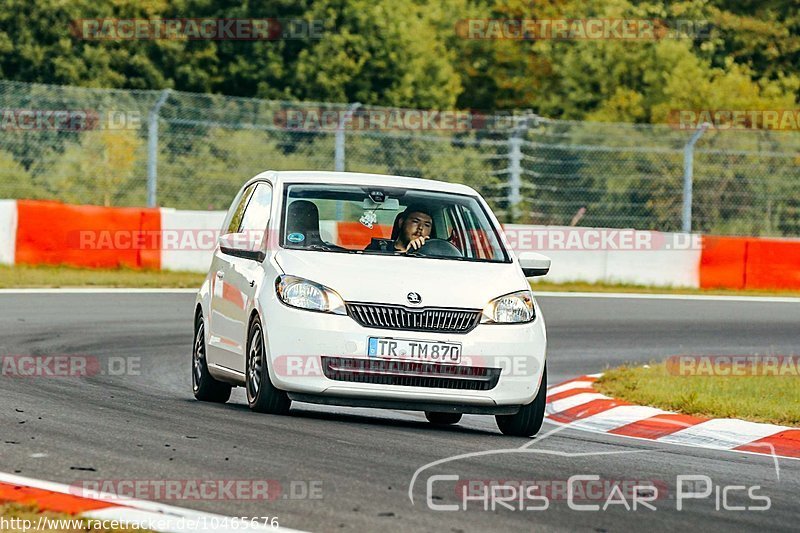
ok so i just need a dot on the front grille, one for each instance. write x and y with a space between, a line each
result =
410 374
436 319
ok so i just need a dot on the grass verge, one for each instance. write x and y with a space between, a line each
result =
24 518
773 399
22 276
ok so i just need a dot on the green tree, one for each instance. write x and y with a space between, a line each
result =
101 169
15 180
383 52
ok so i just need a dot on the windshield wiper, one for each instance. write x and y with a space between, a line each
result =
326 248
426 256
321 247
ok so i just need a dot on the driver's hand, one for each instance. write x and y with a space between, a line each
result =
417 243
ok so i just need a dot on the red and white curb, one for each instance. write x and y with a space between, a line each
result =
55 497
578 404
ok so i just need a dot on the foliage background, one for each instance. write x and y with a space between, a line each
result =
407 53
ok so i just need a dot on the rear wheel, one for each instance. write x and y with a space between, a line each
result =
262 396
204 386
528 420
443 419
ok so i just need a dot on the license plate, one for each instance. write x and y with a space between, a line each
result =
434 352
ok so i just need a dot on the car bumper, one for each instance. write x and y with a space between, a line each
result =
298 341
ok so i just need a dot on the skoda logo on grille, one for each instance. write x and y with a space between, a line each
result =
414 298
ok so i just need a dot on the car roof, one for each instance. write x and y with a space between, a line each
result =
278 178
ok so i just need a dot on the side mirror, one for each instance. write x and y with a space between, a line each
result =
534 264
244 245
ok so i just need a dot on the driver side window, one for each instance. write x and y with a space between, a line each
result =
237 214
256 215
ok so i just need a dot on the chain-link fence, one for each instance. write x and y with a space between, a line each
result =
193 151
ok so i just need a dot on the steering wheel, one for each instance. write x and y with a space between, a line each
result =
437 248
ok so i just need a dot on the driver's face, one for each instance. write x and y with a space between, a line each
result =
415 225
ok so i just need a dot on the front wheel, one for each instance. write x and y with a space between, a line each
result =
528 420
262 396
443 419
204 386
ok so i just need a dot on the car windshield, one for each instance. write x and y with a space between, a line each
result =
360 219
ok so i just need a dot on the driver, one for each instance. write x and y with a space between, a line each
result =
415 226
412 228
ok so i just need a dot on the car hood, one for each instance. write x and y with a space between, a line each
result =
389 279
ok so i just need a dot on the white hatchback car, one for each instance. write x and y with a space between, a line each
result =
371 291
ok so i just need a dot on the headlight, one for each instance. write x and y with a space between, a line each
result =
305 294
513 308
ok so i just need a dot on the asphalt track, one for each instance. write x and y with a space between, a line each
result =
145 425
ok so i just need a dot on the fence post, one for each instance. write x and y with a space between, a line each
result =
515 165
340 137
152 149
688 177
338 155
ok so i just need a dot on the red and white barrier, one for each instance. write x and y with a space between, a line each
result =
52 233
186 235
8 231
42 232
750 263
602 255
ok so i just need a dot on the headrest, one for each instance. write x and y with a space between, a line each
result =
303 218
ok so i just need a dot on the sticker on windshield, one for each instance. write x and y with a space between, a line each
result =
368 219
295 237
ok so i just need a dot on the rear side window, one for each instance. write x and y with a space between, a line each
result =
256 215
469 234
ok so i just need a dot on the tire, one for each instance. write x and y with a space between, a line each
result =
443 419
204 386
528 420
262 396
